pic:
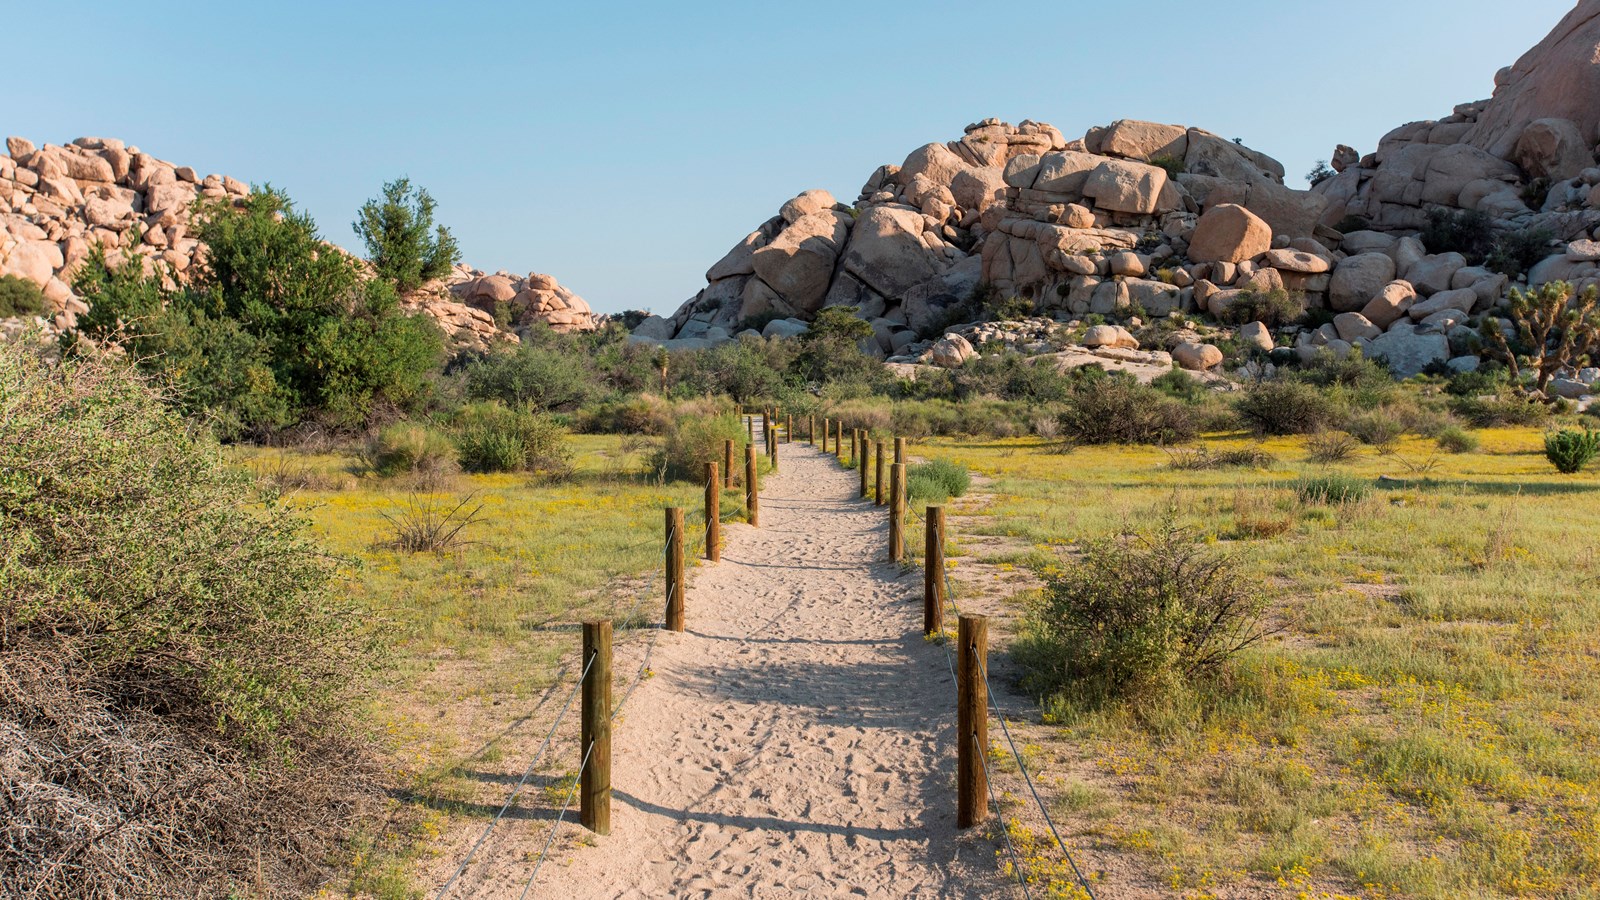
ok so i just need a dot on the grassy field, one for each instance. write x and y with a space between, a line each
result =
1425 723
481 632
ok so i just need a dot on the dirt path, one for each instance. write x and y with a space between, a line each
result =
796 739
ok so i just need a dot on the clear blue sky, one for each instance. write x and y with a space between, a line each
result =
624 147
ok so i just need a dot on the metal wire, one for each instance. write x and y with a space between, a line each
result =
1005 832
983 670
549 839
521 783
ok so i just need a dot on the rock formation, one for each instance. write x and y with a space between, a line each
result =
57 202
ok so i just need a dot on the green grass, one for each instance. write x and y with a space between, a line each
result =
1424 727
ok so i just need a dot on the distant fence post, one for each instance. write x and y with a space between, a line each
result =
864 462
878 481
827 433
750 428
766 426
811 429
788 428
772 448
899 449
838 440
674 573
933 595
972 721
727 463
752 499
594 789
713 514
897 512
855 445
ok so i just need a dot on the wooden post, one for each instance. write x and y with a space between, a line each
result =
855 445
752 500
933 595
827 433
727 463
772 448
878 481
899 449
897 512
766 428
811 429
864 462
713 514
675 596
972 721
594 788
838 440
750 428
788 429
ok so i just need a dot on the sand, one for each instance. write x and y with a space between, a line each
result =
797 739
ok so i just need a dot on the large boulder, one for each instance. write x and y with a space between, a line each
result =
1144 141
1123 186
1196 357
1553 149
799 262
951 351
1357 279
886 251
1110 336
33 260
1228 232
1408 352
805 204
936 162
1558 79
1390 303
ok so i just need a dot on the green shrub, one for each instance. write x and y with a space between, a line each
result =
1138 616
635 414
1468 232
1271 308
1010 309
545 379
410 448
1491 412
1485 380
1180 385
1569 449
1455 439
1331 489
694 440
1330 447
491 437
20 297
936 481
402 242
1119 410
1376 428
1173 165
1203 458
1282 406
179 667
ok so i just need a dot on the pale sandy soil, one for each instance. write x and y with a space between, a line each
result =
796 740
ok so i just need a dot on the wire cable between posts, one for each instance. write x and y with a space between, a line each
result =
983 671
551 837
1005 833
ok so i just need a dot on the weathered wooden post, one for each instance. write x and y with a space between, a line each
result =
877 482
855 445
827 433
750 428
972 721
594 788
933 593
674 573
713 514
838 440
772 448
897 512
811 429
864 462
788 428
752 500
766 427
899 449
727 463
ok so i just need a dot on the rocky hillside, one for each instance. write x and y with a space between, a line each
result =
1151 219
57 202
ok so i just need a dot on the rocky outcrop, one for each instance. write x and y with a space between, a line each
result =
58 202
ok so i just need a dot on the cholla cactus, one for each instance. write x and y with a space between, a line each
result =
1555 330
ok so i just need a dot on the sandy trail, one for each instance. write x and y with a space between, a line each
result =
796 740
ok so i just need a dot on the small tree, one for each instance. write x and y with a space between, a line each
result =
1555 329
1569 449
397 231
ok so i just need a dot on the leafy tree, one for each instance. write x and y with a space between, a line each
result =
278 326
831 349
1554 330
405 246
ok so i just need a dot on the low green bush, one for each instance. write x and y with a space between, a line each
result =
20 297
936 481
1281 406
410 448
1376 428
1569 449
1455 439
694 440
1332 489
1501 410
1119 410
1271 308
1138 617
491 437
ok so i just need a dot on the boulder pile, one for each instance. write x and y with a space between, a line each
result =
1151 220
58 202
